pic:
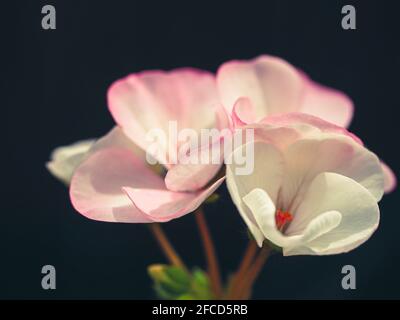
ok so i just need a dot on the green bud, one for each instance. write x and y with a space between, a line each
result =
174 283
170 281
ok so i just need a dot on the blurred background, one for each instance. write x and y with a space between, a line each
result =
54 85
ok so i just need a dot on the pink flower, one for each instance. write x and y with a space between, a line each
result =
115 182
273 86
254 89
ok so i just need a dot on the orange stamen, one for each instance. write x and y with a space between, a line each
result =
282 218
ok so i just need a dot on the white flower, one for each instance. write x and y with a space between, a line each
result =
65 159
314 189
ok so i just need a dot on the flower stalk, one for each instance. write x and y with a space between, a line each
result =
244 291
248 257
166 246
211 257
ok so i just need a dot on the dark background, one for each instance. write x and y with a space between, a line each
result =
54 86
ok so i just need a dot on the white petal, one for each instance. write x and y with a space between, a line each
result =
242 208
268 165
334 192
328 152
268 169
64 160
322 224
263 210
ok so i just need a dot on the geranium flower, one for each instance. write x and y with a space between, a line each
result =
115 182
314 189
254 89
64 160
273 86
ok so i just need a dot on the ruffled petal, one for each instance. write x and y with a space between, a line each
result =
165 205
333 192
198 166
263 211
269 166
243 112
96 187
306 158
272 85
307 124
276 87
150 102
326 103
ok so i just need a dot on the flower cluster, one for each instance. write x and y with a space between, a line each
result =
314 187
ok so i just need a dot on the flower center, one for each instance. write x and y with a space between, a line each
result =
282 218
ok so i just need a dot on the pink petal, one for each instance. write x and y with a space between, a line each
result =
296 118
223 119
328 104
149 100
194 176
116 138
243 112
197 167
275 86
389 177
96 192
190 177
272 85
165 205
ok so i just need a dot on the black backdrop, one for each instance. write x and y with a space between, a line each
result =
54 92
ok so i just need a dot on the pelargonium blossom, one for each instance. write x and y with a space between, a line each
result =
273 86
314 190
252 90
115 183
